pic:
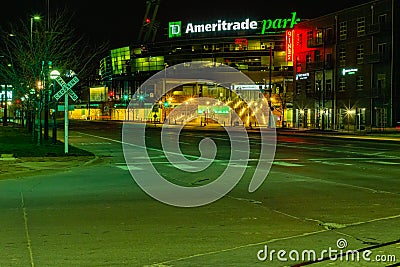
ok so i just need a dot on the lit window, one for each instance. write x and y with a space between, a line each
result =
308 58
360 54
308 87
328 89
342 56
343 30
360 83
342 84
361 26
309 35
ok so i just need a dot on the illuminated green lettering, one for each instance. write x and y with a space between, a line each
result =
279 23
293 20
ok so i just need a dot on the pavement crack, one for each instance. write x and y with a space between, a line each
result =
28 237
328 225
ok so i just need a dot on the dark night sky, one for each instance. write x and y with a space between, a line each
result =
119 21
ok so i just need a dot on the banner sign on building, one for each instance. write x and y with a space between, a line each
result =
251 87
176 29
289 45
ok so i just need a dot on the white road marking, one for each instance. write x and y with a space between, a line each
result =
334 163
361 159
94 143
237 165
287 164
185 143
383 162
128 168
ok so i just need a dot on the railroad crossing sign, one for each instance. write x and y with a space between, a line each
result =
66 88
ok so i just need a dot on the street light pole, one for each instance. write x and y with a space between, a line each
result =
53 75
46 102
31 27
35 17
5 119
5 116
270 87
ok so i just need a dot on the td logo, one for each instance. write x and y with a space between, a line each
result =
174 29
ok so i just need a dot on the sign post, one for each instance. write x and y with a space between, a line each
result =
66 123
66 90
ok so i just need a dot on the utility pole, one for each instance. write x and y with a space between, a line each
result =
5 115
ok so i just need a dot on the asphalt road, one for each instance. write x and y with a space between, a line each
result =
318 192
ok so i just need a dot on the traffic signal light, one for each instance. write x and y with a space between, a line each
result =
166 104
126 97
147 20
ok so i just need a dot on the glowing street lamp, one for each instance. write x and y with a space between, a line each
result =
53 76
36 18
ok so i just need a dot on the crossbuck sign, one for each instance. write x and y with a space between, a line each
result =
65 91
66 88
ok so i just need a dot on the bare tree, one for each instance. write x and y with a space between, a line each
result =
30 49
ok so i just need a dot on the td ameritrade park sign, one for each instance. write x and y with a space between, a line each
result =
177 29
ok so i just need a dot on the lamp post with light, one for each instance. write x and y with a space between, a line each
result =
33 18
39 107
5 119
53 75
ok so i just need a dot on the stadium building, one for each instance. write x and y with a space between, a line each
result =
332 72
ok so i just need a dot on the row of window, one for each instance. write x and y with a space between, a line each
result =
361 28
342 54
360 53
322 34
360 84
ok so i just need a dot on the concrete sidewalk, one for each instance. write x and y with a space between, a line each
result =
17 168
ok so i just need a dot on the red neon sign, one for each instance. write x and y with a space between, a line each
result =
241 41
289 45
